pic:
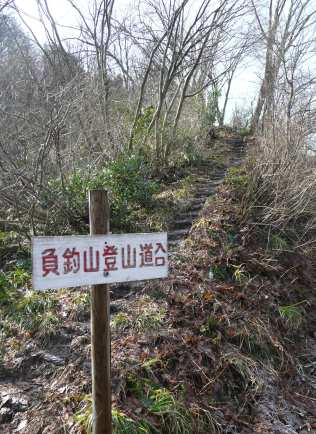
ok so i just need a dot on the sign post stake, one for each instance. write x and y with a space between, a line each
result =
99 216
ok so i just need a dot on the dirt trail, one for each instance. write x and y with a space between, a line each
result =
205 183
38 376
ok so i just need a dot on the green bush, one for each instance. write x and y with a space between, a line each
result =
129 188
245 131
211 113
22 310
143 123
11 281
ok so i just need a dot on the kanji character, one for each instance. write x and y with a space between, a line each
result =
146 255
160 261
130 260
109 254
72 261
49 262
94 263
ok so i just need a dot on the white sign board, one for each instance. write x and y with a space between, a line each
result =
61 262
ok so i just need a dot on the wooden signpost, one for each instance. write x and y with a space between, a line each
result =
99 217
97 260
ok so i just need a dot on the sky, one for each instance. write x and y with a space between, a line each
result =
245 84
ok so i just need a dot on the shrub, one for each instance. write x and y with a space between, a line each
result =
25 311
127 181
211 113
284 193
10 282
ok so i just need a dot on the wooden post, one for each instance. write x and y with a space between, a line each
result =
99 215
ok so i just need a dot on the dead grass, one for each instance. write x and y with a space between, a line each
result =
224 345
282 195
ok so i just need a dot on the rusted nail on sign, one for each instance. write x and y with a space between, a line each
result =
62 262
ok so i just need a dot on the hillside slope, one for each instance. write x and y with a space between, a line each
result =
227 344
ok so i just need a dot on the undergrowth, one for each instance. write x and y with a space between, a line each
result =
203 351
226 333
161 412
25 313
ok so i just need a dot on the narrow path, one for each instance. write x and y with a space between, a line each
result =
205 184
37 377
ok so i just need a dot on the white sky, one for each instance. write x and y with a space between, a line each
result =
245 85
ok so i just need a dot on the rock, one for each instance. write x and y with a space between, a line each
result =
24 363
211 133
6 415
114 308
79 341
22 425
10 404
51 358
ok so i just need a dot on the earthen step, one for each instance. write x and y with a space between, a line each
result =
203 193
199 200
205 163
184 223
177 234
217 181
235 163
236 141
187 214
173 245
195 207
203 189
202 180
193 214
211 179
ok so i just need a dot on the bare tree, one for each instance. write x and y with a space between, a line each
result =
183 45
96 32
4 4
287 20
